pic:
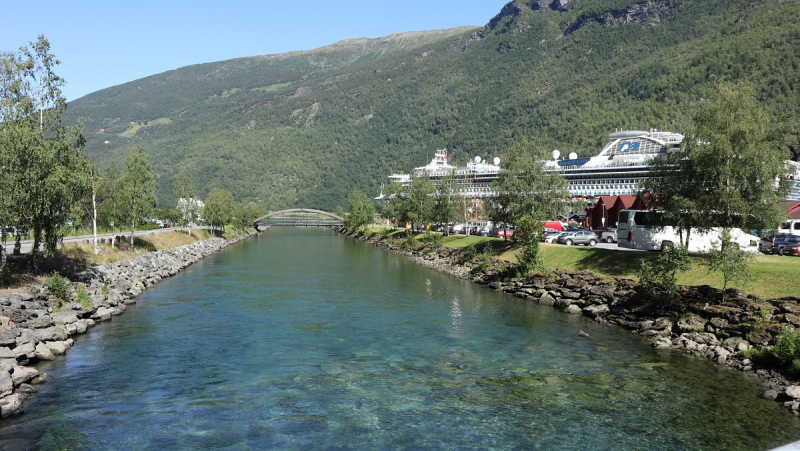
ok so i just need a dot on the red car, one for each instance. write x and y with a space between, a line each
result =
791 249
504 233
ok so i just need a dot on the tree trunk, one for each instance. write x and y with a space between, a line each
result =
3 256
94 221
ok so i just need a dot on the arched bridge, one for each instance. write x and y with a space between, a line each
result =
298 217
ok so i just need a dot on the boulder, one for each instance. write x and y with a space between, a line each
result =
43 352
25 351
8 335
57 347
691 324
793 391
23 374
12 405
572 308
662 342
547 299
102 314
55 333
596 310
6 353
6 383
64 317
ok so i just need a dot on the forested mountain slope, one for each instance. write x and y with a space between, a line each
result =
305 128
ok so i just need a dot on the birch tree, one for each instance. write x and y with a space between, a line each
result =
137 188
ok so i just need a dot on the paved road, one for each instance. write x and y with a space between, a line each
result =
28 244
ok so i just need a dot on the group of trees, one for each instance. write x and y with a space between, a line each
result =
421 202
729 173
44 171
50 186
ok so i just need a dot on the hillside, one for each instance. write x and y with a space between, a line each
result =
305 128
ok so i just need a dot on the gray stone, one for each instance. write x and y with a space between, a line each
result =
596 310
758 338
12 405
51 333
662 342
572 308
8 364
102 314
691 324
64 317
6 353
793 391
737 343
547 299
721 354
662 323
6 384
705 338
27 350
8 335
57 347
23 374
43 352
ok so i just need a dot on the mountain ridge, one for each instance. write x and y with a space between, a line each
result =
307 127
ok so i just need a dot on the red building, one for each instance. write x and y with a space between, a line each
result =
607 209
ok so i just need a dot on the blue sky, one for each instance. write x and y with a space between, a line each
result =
103 44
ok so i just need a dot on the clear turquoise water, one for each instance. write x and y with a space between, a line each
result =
304 339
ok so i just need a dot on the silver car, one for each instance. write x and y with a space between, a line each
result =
586 237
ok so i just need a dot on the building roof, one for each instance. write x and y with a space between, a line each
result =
792 208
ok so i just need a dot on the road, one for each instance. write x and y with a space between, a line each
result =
28 244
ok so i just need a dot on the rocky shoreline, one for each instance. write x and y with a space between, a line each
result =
36 326
720 332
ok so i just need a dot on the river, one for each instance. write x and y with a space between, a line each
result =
305 339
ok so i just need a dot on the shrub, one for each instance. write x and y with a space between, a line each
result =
57 285
409 243
732 262
787 347
658 278
530 259
83 297
384 233
433 238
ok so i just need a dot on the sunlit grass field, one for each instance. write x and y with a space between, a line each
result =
142 244
775 276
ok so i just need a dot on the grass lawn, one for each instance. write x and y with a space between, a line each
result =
775 276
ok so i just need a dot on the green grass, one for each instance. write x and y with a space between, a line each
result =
776 276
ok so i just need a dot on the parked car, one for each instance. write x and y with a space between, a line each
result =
549 233
774 244
788 246
504 233
606 234
553 238
791 248
457 228
486 230
586 237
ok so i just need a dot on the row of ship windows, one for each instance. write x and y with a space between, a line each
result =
617 182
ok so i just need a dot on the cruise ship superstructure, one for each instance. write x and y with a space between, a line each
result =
617 169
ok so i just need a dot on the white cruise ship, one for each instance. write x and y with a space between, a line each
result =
617 169
473 180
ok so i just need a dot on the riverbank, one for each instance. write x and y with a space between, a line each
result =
35 325
728 333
